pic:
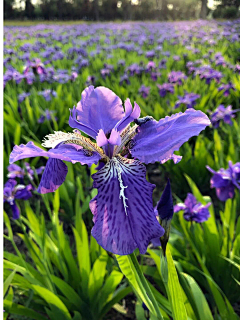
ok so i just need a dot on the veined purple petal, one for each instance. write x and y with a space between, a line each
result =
156 141
99 108
124 217
67 152
53 176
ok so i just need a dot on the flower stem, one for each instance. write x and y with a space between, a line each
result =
148 292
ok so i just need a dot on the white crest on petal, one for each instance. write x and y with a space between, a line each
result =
53 139
122 187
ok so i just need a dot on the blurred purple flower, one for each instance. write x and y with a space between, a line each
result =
164 88
222 113
23 96
144 91
47 94
90 80
226 180
124 79
12 191
176 77
226 88
14 171
189 100
47 115
193 210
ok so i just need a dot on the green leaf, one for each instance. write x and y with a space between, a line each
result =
68 292
7 303
8 281
23 311
201 305
97 275
52 300
175 291
83 254
109 287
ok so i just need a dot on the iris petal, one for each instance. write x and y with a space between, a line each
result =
99 108
67 152
53 176
156 141
124 217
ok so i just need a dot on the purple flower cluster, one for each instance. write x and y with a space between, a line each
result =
193 210
12 191
144 91
226 88
164 88
47 115
189 100
225 181
222 113
47 94
176 77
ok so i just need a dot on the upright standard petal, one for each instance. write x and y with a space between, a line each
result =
124 217
131 114
99 108
156 141
68 152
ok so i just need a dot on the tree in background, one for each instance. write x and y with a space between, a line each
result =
118 9
8 9
204 9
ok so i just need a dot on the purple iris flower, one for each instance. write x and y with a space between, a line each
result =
124 79
176 77
123 213
121 62
189 99
105 72
150 54
14 171
90 80
144 91
226 180
226 88
48 94
164 88
155 75
23 96
222 113
36 66
150 66
162 64
237 68
47 115
193 210
12 191
73 76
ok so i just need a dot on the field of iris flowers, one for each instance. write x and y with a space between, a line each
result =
183 73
